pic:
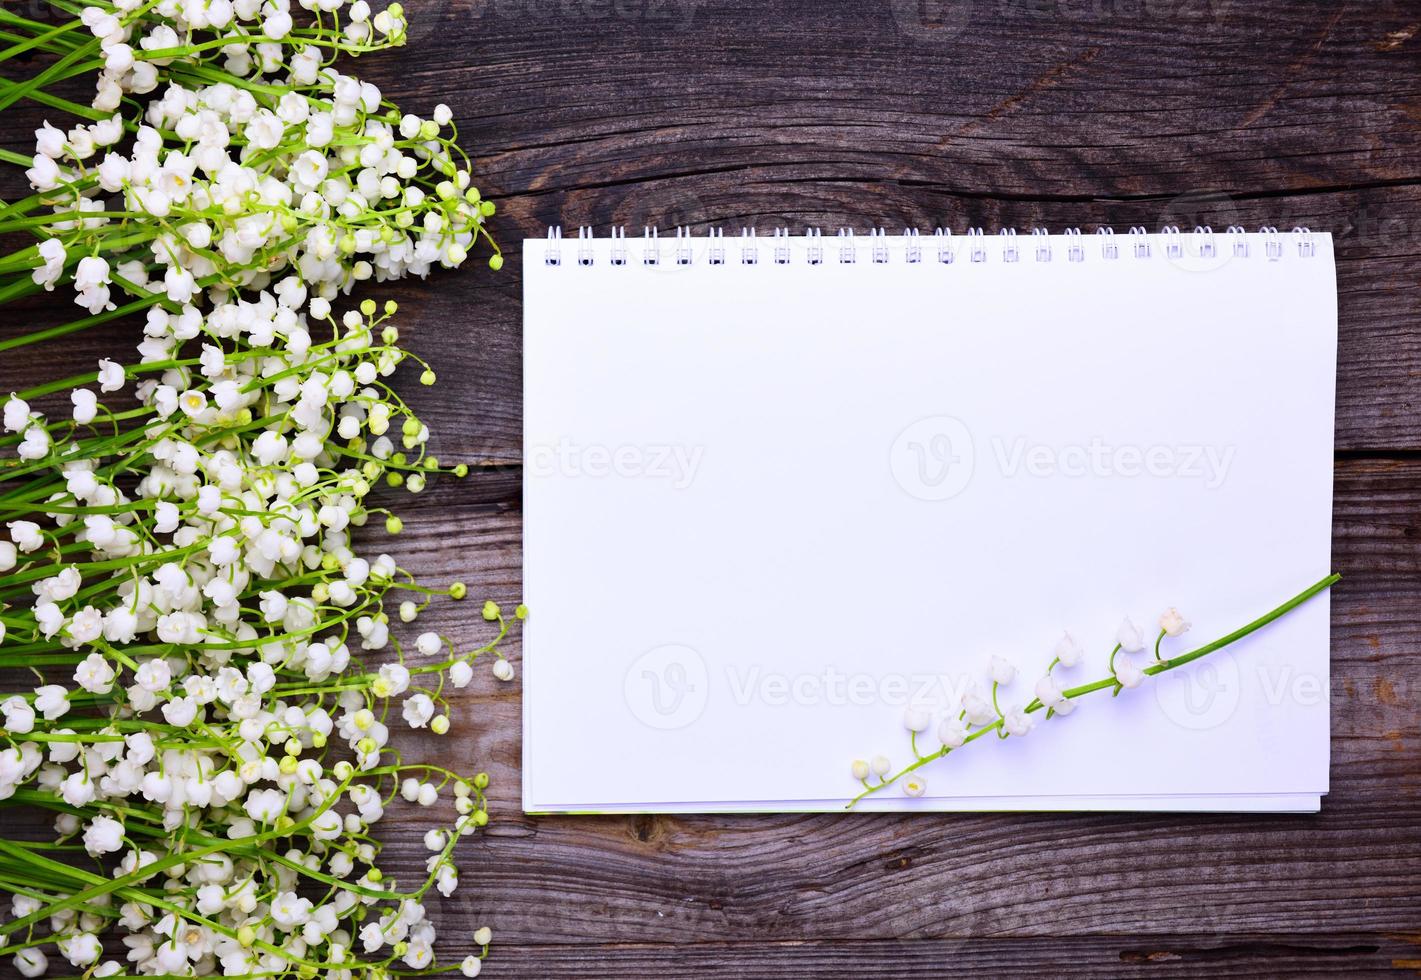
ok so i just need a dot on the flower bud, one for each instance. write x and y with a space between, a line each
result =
1173 623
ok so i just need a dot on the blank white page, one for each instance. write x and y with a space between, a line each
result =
768 505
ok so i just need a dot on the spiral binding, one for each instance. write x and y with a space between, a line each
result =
1202 243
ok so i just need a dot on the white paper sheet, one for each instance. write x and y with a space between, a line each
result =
768 505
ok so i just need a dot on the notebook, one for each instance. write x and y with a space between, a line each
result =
782 492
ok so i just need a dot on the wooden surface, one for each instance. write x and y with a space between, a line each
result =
1044 112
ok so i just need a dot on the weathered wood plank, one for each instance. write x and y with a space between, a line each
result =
1107 956
1071 99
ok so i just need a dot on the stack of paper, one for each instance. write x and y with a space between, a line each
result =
771 505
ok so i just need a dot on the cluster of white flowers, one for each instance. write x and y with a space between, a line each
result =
180 569
198 577
227 181
979 713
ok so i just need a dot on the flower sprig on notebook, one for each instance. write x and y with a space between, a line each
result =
979 715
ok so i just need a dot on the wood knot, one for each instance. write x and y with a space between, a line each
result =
646 828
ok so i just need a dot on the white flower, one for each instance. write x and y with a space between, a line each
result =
471 966
483 935
460 673
320 129
193 403
108 131
1017 722
19 716
26 535
51 250
1127 674
952 732
80 481
94 674
111 375
59 586
223 551
914 785
880 766
1173 623
1003 672
503 670
52 701
35 444
49 141
273 606
31 962
265 129
859 770
979 709
916 719
153 675
290 911
118 58
120 625
393 680
428 644
264 805
418 709
1048 692
309 170
91 273
179 284
260 678
104 835
44 175
81 949
372 937
48 617
9 555
77 789
1068 651
180 712
171 957
86 405
17 414
1128 636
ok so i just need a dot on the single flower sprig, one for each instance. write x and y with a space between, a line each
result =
1111 683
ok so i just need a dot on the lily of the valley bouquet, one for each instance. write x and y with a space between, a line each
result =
202 680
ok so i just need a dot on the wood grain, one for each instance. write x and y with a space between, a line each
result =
1106 956
914 113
